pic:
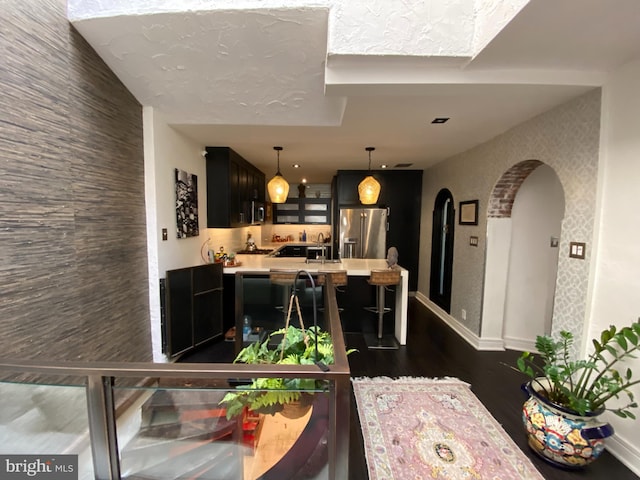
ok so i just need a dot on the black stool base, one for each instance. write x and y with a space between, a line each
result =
376 310
387 342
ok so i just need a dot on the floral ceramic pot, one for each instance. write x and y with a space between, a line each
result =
562 436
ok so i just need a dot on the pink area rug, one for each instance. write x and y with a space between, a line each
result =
419 428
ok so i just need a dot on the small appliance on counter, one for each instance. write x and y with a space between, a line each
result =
251 244
251 248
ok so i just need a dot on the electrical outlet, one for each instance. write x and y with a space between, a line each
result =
464 314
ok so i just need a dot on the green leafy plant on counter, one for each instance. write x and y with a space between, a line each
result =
269 395
586 385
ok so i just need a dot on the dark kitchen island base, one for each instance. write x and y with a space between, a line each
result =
262 299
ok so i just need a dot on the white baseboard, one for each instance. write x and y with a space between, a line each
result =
490 344
520 344
627 453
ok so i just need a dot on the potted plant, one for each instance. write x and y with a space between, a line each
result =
272 395
566 396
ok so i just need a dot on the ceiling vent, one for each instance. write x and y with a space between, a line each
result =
402 165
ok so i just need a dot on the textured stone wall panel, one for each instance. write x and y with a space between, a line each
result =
73 270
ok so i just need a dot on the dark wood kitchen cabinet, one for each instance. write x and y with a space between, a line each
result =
401 193
192 313
233 187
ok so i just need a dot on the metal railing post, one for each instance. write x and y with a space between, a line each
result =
339 428
102 427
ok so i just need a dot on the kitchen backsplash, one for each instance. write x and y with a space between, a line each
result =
234 239
312 231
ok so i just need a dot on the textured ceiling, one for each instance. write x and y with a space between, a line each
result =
324 79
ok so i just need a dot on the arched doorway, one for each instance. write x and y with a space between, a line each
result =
442 250
523 231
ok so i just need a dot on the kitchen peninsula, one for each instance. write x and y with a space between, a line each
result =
355 267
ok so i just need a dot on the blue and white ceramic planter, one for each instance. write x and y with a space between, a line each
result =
562 436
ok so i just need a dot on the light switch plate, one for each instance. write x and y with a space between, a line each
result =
473 241
577 250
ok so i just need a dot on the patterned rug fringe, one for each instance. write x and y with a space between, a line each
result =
408 380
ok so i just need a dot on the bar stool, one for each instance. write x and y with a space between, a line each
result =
338 279
381 279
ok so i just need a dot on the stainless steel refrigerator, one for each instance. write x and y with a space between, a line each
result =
363 232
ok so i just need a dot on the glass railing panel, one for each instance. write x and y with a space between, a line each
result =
45 420
266 304
186 433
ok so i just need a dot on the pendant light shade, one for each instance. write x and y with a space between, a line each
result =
369 188
278 187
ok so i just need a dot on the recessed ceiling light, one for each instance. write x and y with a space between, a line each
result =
384 165
304 180
296 165
440 120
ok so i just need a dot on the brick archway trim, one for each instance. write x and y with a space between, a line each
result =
505 190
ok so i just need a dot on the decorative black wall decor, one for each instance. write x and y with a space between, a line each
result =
186 204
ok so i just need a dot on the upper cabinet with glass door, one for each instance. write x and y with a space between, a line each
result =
303 210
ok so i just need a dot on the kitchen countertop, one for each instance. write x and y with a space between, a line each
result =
276 245
263 263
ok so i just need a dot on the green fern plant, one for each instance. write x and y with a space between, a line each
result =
269 395
585 385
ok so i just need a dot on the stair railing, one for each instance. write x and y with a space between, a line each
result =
99 379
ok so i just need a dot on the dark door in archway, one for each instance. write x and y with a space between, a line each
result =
442 250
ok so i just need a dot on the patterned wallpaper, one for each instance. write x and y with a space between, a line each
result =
565 138
72 213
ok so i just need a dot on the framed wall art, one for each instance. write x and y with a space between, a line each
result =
186 204
468 213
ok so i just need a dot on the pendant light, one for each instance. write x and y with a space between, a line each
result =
369 188
278 187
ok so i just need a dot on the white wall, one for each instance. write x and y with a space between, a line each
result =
496 276
166 149
173 150
536 217
616 293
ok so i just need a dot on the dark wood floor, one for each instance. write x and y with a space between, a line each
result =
434 350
